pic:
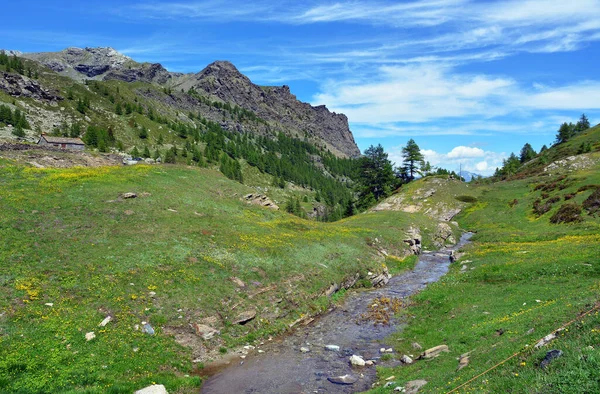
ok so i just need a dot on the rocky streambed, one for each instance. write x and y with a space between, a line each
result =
316 358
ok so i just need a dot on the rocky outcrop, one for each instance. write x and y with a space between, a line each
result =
414 240
21 86
274 104
261 199
101 63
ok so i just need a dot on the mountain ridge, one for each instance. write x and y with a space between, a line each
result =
221 81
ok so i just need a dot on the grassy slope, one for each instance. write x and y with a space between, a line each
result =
68 240
522 273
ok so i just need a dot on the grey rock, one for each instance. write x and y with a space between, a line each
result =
357 361
414 386
343 379
128 195
245 317
21 86
148 329
304 349
550 356
154 389
332 348
406 359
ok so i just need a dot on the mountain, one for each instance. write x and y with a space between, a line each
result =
468 176
276 107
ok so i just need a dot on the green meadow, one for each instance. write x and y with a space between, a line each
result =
74 251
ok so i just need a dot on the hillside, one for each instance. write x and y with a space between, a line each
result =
187 253
531 272
220 82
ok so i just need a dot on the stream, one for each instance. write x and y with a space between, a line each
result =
282 367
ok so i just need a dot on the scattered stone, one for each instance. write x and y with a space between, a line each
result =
238 282
399 389
332 348
128 212
343 379
369 363
152 294
128 195
261 351
357 361
551 355
204 331
434 352
304 349
413 239
463 361
414 386
390 378
406 359
154 389
104 322
389 384
49 304
416 346
530 331
546 339
389 350
89 336
452 257
245 317
171 210
147 328
382 350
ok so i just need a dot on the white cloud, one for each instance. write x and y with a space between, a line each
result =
465 152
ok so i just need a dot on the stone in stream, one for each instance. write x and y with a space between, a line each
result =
343 379
304 349
332 348
357 361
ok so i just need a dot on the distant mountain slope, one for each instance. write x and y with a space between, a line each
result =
221 81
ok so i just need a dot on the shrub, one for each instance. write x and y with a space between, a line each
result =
592 203
567 213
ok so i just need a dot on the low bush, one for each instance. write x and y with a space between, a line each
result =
567 213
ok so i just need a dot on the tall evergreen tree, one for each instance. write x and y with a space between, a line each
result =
527 153
376 176
582 124
565 132
412 159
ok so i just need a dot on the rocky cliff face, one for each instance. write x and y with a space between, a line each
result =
276 105
219 81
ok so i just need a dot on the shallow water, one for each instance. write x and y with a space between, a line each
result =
283 368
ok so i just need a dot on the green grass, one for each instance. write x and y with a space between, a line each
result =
69 240
522 273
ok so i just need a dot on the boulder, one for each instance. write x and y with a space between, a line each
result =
154 389
245 317
443 234
343 379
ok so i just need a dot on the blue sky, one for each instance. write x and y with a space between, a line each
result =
469 81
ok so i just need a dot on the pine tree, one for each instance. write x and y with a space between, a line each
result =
565 132
412 158
527 153
135 152
376 176
582 124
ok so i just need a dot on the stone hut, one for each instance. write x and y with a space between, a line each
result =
62 142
